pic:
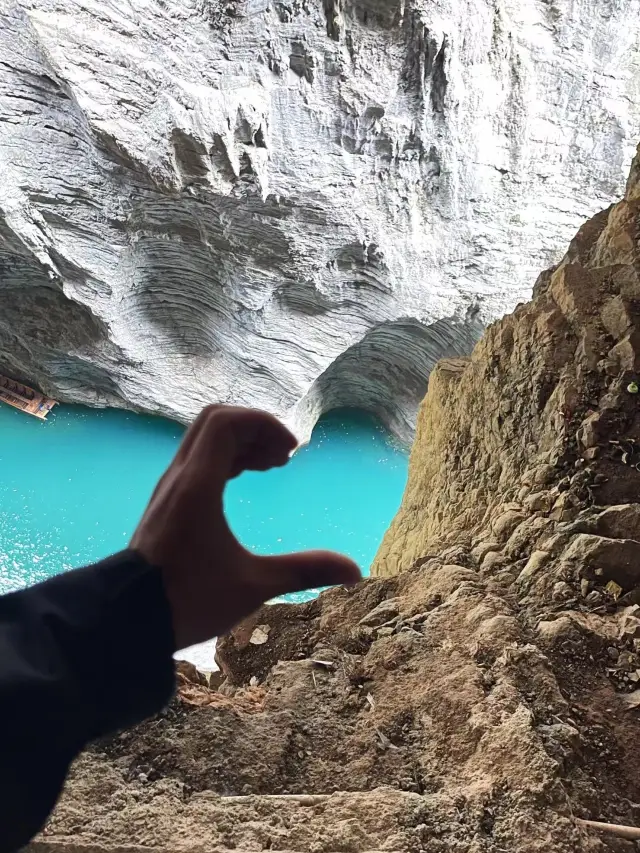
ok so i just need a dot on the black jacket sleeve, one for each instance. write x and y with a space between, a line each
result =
81 655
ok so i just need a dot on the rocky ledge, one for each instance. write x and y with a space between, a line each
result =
484 694
292 205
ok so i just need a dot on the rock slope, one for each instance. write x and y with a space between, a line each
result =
543 417
484 695
289 204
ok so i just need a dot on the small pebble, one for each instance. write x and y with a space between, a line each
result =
613 653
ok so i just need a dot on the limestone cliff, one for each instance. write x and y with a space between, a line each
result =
295 205
485 697
544 415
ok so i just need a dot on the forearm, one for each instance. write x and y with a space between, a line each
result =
81 655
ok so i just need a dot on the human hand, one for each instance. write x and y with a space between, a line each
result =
211 581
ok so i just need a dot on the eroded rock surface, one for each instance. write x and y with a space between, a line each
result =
470 721
542 420
294 205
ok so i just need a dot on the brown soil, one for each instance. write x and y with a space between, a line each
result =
452 732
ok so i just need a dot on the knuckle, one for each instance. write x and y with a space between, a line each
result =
211 411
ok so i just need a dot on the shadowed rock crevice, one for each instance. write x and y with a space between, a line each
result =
386 373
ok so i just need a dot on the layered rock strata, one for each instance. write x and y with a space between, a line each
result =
291 205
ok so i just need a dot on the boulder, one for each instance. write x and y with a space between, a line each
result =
535 563
384 611
504 525
619 522
602 559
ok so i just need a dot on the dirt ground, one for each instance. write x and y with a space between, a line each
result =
426 710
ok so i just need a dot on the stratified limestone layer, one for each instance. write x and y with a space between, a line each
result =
291 205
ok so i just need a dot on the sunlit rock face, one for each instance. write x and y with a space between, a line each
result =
292 205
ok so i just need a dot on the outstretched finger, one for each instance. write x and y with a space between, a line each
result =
183 450
288 573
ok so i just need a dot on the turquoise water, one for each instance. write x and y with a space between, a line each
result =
73 488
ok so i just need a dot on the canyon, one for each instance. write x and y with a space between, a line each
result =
480 692
302 204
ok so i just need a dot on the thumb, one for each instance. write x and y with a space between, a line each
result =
307 570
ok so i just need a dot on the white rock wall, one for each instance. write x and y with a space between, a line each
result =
292 204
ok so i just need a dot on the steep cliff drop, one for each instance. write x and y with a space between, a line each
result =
290 204
483 696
